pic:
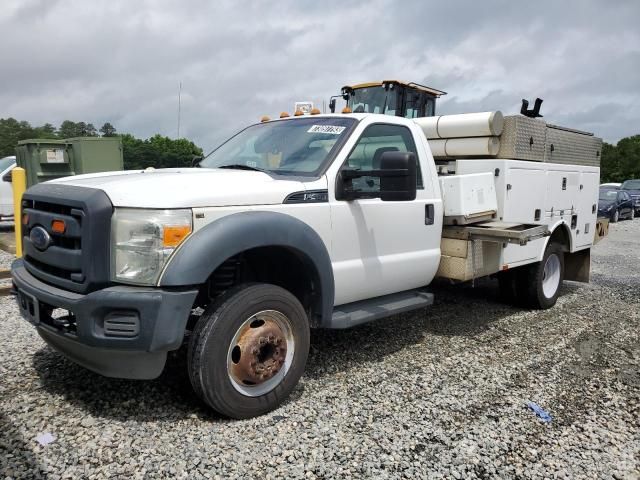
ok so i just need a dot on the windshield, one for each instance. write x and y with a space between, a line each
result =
631 185
299 146
373 100
608 195
6 162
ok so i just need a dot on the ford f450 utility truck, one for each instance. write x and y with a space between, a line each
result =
322 221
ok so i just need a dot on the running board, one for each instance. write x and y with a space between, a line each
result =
356 313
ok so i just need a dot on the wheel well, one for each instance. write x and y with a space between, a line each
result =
282 266
562 236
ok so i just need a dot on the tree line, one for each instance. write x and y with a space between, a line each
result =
158 151
621 162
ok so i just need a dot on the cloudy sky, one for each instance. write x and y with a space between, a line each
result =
122 61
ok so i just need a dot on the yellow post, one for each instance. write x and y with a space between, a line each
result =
19 182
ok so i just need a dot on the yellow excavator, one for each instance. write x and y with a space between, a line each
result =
390 97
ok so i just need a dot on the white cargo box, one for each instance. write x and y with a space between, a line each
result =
468 198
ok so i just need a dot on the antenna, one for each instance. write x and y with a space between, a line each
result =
179 95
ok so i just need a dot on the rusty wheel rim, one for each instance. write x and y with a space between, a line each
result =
260 353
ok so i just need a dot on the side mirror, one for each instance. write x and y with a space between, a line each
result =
7 176
398 176
332 105
195 160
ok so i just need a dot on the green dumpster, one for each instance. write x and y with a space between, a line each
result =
47 159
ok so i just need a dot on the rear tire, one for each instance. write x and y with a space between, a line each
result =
539 284
248 350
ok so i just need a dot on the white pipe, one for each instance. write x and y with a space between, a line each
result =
482 124
465 147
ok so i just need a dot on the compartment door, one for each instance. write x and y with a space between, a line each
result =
525 196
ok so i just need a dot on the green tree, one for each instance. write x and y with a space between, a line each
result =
622 161
108 130
68 129
90 131
157 152
11 132
46 131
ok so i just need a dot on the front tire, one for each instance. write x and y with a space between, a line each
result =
615 216
539 284
248 350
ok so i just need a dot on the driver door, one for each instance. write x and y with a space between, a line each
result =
382 247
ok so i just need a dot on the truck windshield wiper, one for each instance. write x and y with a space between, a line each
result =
240 166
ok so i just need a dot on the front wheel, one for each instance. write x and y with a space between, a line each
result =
616 216
539 284
248 350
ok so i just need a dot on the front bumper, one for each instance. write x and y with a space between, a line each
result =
605 213
120 331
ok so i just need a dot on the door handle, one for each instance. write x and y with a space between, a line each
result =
429 214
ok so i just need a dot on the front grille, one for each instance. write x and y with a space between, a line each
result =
78 258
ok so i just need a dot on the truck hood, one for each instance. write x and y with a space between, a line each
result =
187 187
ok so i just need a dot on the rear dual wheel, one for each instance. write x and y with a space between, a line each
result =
248 350
536 285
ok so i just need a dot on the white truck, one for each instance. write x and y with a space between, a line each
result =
317 221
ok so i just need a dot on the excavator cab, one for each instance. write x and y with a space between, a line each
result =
390 97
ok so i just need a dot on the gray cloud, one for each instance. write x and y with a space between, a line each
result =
122 61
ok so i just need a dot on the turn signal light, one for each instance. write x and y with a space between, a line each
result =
25 219
58 226
174 235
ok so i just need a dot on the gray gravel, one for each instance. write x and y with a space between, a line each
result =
437 393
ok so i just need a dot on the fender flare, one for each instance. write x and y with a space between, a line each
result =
209 247
561 224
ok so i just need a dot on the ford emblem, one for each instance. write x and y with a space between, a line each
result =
40 238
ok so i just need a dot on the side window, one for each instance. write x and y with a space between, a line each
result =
366 155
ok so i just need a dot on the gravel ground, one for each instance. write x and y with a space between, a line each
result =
435 393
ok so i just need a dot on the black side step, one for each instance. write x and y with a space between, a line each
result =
352 314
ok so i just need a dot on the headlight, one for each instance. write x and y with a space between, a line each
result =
143 240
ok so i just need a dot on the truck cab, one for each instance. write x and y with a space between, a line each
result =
319 221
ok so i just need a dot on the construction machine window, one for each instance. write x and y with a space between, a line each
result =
300 146
418 104
375 141
373 100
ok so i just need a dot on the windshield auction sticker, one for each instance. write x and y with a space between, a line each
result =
333 129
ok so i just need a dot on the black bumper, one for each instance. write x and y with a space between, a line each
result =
120 331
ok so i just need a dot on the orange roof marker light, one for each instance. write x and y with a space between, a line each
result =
298 113
284 115
264 118
315 111
346 110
